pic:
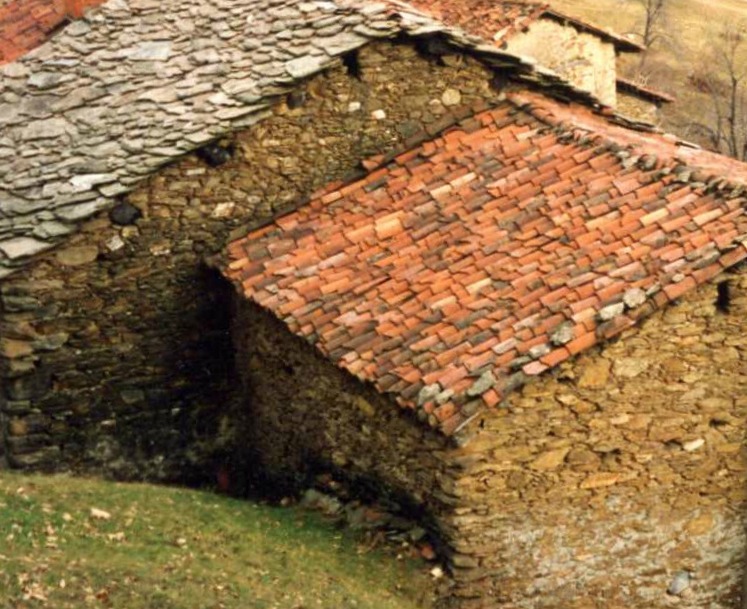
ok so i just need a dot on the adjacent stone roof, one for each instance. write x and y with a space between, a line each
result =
454 271
138 83
498 20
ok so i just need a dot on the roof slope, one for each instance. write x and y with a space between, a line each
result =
488 255
116 95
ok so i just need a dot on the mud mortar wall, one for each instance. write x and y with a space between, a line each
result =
583 59
114 348
619 475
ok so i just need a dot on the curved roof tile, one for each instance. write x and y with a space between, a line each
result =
458 269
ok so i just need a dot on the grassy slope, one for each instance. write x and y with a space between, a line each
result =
166 548
691 26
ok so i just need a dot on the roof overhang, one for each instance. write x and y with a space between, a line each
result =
653 95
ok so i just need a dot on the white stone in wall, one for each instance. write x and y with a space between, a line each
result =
22 246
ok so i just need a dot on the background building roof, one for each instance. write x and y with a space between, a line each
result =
499 20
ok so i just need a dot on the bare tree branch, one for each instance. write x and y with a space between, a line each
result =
723 76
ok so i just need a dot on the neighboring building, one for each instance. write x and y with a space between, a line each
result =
580 52
532 328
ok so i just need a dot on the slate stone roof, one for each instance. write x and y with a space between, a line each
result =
498 20
138 83
456 270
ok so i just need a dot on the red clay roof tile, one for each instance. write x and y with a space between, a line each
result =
26 24
464 284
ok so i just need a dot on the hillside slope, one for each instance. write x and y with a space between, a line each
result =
690 31
67 543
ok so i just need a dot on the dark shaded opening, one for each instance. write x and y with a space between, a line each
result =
215 154
352 64
433 48
723 298
296 99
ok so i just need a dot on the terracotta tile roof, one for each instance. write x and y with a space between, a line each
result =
26 24
458 269
498 20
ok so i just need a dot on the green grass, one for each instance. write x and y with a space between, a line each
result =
167 548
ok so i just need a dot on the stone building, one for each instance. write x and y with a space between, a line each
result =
531 328
581 52
133 146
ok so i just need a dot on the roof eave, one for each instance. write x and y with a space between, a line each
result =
647 93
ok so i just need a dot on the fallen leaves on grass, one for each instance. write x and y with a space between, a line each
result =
98 514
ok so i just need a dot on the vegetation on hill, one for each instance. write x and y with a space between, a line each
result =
697 55
72 543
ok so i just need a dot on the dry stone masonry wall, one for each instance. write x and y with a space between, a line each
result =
619 480
114 347
302 415
633 106
615 481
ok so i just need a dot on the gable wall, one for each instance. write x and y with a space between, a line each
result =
596 486
581 58
114 347
300 416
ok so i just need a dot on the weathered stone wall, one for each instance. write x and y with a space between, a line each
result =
616 481
619 475
632 106
583 59
301 415
114 348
